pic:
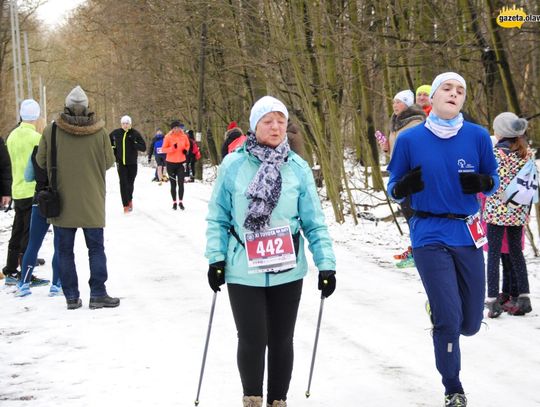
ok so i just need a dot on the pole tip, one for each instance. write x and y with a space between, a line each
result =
196 402
308 394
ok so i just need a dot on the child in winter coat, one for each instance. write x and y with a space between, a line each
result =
511 153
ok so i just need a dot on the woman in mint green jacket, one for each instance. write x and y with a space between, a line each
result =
263 198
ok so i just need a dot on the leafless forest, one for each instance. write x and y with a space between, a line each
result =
335 63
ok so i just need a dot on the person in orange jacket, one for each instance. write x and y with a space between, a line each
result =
176 146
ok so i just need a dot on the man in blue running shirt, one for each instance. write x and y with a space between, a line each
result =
442 164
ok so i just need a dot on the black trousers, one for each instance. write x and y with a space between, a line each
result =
265 317
176 176
191 163
519 267
509 278
127 174
19 234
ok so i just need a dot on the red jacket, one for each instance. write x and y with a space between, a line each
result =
237 143
175 154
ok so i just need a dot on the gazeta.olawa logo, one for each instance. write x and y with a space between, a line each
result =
514 17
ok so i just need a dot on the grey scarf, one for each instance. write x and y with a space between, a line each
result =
265 188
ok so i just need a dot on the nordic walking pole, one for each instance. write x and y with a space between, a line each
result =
315 346
206 346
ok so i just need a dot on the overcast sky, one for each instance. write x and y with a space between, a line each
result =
54 11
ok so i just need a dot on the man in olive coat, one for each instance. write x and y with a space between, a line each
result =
84 154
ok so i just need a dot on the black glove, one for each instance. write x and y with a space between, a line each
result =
327 282
175 145
472 183
149 160
409 184
216 275
184 151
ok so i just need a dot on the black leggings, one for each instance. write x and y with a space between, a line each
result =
509 279
176 173
127 174
20 233
265 316
495 235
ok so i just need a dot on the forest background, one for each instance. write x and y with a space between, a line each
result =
335 63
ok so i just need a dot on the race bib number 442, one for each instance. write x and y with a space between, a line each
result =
271 250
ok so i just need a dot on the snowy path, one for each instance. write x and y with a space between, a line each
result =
374 349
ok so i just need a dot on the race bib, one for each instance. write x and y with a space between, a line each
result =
270 251
159 150
476 230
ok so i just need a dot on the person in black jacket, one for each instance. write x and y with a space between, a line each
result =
5 175
126 142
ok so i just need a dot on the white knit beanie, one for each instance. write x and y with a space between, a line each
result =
446 76
125 119
265 105
406 96
29 110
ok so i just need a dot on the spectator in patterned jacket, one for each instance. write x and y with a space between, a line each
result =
511 153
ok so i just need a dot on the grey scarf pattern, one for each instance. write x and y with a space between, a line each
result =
265 188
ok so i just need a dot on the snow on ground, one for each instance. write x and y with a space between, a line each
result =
375 346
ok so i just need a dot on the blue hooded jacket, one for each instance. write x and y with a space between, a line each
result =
298 206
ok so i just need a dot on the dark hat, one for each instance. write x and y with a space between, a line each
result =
175 123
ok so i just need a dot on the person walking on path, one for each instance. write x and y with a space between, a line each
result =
159 156
84 154
512 153
442 165
176 146
263 197
194 155
127 142
20 144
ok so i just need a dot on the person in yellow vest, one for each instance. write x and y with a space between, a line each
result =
20 143
126 142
